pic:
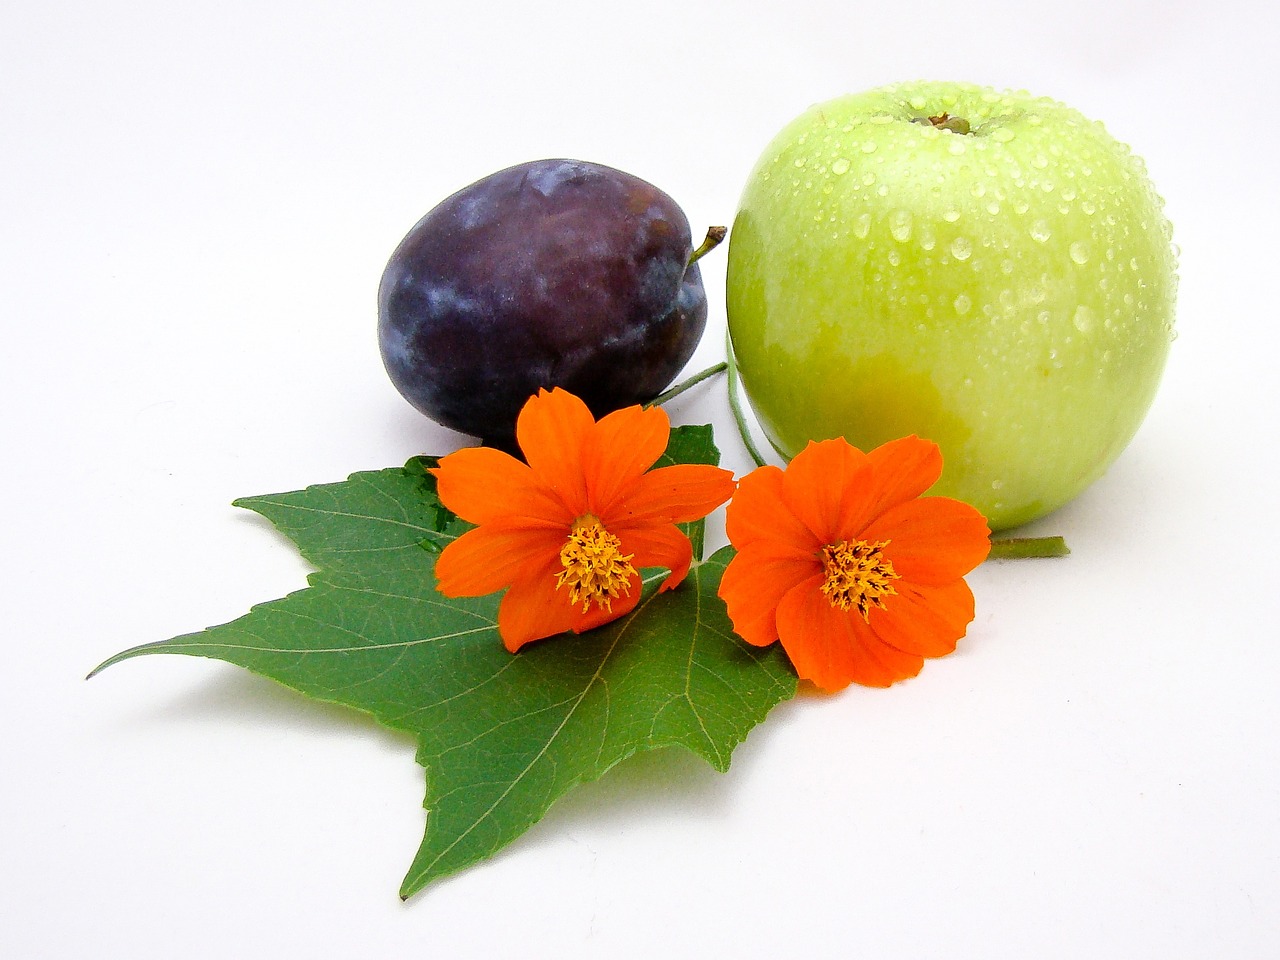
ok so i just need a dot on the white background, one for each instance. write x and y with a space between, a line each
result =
196 202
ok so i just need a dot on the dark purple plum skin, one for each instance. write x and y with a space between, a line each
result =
550 273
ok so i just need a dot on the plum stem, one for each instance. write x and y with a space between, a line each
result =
735 404
1025 548
673 392
714 236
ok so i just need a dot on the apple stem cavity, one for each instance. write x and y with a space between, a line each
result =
945 121
673 392
1027 548
714 236
735 404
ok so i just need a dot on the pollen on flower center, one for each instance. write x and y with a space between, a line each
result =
594 568
858 575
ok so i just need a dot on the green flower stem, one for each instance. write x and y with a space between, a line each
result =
684 385
1024 548
735 404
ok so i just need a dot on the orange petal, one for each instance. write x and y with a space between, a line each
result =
754 583
533 608
759 511
658 546
880 665
832 647
933 540
492 556
624 444
903 470
553 429
924 620
598 616
828 486
676 494
480 484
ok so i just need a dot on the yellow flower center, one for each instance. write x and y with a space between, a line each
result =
858 575
594 568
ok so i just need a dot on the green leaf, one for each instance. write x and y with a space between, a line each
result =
501 736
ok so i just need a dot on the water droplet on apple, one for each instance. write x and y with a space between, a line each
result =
868 146
927 239
1040 231
979 189
1079 252
862 226
962 304
997 484
951 216
1083 319
961 248
1002 135
956 147
993 208
840 166
800 161
900 225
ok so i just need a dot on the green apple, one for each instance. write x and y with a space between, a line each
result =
986 269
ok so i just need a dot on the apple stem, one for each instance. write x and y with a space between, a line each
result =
672 392
735 404
714 236
1026 548
945 121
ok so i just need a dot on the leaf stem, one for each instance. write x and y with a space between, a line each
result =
735 404
683 385
1024 548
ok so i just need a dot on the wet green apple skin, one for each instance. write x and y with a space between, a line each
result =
1007 293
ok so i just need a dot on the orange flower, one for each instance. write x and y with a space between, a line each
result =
567 533
843 560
